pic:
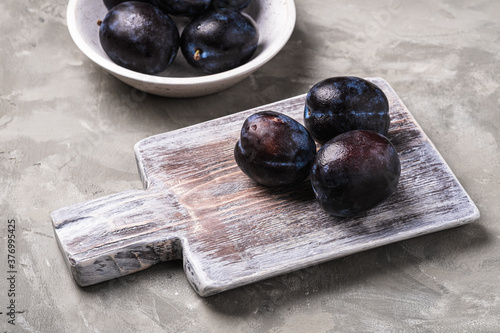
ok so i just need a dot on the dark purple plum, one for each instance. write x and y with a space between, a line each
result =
274 149
234 4
186 8
354 172
139 36
219 40
345 103
111 3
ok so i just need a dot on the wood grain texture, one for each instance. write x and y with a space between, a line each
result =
199 207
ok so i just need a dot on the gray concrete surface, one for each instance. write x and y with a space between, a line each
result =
67 131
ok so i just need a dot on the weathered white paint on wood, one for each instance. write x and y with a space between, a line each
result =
199 207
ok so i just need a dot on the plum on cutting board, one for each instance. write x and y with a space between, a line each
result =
345 103
274 149
354 172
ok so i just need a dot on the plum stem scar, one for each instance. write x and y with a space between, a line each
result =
197 54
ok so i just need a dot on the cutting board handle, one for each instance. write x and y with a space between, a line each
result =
120 234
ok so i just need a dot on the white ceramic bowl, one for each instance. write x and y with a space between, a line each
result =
275 20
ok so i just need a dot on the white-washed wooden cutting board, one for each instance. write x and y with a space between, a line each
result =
199 207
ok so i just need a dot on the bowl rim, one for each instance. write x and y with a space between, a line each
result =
245 69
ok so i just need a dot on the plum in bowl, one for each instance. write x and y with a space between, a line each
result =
275 21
